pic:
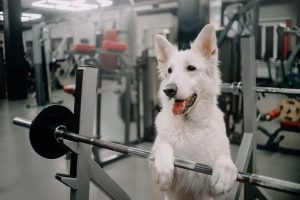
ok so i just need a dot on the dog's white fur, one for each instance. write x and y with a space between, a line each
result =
200 134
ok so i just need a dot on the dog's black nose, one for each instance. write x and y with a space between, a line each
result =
170 90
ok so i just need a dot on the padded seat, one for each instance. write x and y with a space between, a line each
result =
291 126
114 46
84 48
70 89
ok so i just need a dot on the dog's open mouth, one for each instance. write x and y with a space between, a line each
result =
181 106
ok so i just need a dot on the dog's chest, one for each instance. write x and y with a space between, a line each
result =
193 143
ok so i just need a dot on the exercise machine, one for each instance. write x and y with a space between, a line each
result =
42 58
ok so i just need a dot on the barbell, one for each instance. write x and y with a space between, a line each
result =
237 88
54 124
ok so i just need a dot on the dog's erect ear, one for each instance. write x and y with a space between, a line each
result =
163 49
206 42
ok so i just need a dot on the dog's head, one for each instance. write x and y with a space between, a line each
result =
191 76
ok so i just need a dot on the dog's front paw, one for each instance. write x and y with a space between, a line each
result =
164 173
224 175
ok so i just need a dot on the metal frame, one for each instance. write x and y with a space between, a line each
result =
42 59
42 96
46 40
85 169
242 162
274 139
254 4
246 159
292 56
127 74
249 98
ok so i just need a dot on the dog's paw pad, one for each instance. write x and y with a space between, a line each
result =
224 175
164 175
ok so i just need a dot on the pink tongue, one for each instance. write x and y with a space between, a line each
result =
178 107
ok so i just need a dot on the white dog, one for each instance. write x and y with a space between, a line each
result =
190 124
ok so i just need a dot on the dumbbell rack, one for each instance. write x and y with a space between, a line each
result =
84 169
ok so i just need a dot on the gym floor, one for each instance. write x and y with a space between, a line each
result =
25 175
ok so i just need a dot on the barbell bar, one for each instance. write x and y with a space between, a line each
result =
43 134
237 87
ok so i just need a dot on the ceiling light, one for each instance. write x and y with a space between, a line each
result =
60 2
168 5
63 7
42 4
32 16
25 19
25 16
143 8
105 3
82 7
70 5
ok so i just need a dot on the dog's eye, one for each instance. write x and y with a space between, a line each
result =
191 68
169 70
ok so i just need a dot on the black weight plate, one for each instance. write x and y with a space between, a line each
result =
42 129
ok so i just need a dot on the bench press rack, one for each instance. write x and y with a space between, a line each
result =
83 168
